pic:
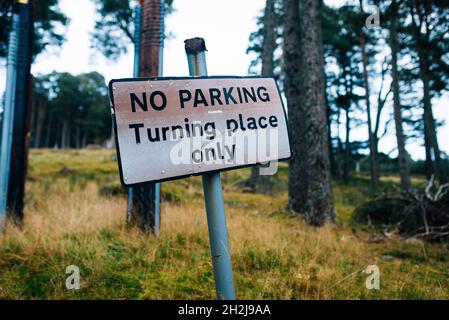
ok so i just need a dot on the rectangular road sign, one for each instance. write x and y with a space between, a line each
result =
167 128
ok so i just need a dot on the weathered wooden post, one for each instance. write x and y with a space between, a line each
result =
144 200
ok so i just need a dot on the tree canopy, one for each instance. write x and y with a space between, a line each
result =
70 110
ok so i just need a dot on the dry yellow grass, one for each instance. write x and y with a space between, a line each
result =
275 254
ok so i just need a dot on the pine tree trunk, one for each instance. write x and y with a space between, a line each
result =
261 183
404 169
48 131
34 111
347 147
40 118
430 170
77 137
329 132
297 180
429 127
374 165
339 148
84 140
64 134
348 93
434 162
69 134
319 200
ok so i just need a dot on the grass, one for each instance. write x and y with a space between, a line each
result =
275 255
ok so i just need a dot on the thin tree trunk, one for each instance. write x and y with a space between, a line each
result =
64 134
84 140
40 118
258 182
69 135
48 131
404 169
430 170
347 147
374 166
319 200
329 123
339 149
433 154
429 128
348 93
34 111
77 137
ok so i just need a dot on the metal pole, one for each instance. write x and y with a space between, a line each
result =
22 105
137 30
157 186
160 70
8 114
213 195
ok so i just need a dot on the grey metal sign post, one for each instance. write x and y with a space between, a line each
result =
213 195
13 157
8 114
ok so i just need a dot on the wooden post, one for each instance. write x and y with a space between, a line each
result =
145 203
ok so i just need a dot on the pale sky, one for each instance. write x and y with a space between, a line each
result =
225 25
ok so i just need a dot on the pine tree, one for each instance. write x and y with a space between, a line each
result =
257 182
310 178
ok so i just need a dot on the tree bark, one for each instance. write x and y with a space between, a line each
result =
319 200
374 165
77 137
64 134
404 169
40 118
348 93
69 134
48 131
347 146
84 141
329 132
433 154
261 183
143 206
339 148
429 126
297 180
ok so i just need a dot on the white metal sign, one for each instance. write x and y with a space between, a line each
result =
168 128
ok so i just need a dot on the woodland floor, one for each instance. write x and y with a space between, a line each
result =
275 255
